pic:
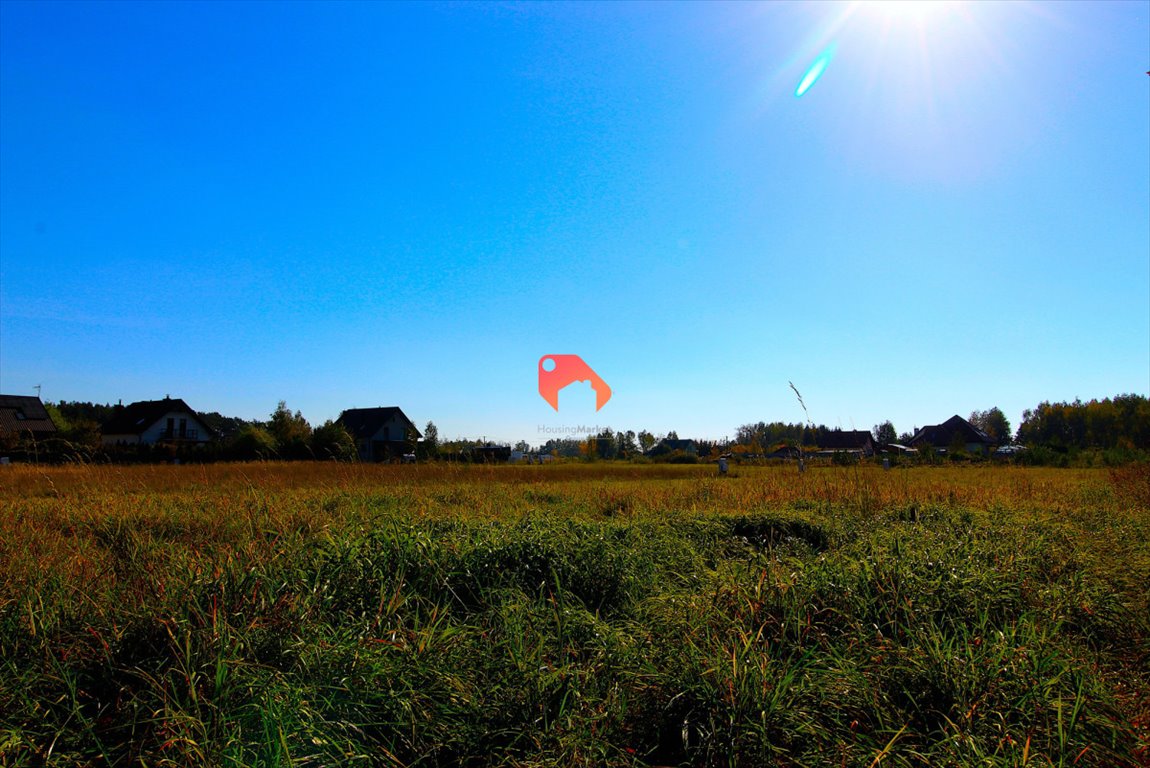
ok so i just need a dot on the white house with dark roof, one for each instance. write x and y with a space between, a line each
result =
156 421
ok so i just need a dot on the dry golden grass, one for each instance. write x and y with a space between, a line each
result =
223 614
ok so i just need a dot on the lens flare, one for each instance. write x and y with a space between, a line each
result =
816 70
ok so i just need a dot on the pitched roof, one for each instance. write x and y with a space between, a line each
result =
942 435
668 444
366 422
21 414
134 419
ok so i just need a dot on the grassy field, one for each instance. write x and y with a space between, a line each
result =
573 615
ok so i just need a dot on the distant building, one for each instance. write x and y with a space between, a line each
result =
954 431
856 441
670 445
151 422
380 434
489 453
24 417
782 451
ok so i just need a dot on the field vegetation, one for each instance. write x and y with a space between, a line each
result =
573 615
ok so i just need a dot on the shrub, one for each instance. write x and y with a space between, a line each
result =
251 444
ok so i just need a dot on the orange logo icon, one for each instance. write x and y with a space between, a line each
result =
557 371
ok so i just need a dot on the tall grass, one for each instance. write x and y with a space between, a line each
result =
497 616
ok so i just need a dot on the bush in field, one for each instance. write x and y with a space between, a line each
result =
331 440
252 443
677 457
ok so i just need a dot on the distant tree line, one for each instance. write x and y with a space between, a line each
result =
765 437
1121 422
1117 427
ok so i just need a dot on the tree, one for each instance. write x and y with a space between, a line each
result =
252 443
291 432
83 433
225 427
58 418
885 433
606 446
1122 421
993 422
77 411
589 449
957 447
562 447
430 440
331 440
626 445
646 441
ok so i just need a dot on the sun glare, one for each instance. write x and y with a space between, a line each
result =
815 71
917 11
924 81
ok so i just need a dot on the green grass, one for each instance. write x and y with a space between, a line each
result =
597 617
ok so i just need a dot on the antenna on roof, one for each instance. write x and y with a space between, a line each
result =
37 388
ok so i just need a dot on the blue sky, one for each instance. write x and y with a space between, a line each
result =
365 204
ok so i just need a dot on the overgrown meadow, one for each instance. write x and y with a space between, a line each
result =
573 615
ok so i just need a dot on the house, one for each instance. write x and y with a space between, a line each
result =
490 453
24 417
781 451
150 422
670 445
954 431
380 434
855 441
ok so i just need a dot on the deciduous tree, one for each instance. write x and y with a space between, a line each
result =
291 431
885 433
331 440
252 443
993 422
430 440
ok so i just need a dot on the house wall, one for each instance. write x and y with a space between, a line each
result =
156 431
394 429
387 442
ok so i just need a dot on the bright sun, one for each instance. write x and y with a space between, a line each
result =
922 80
907 10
